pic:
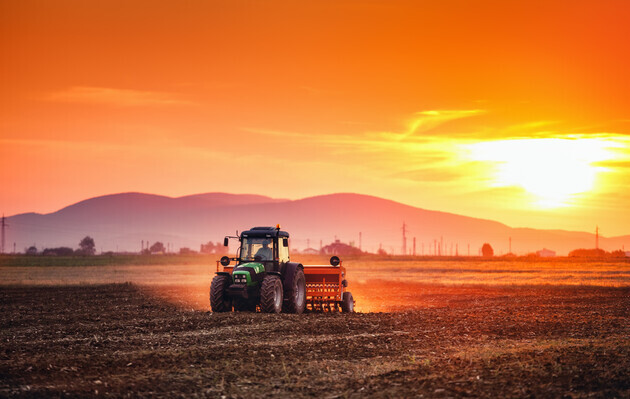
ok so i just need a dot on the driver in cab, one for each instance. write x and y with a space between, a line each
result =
264 252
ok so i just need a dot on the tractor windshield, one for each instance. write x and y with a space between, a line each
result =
259 249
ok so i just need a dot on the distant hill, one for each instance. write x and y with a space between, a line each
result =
121 221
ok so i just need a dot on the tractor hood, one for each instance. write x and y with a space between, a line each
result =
252 271
257 266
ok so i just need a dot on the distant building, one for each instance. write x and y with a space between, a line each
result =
339 248
211 248
310 251
546 253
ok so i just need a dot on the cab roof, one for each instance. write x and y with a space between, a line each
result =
264 232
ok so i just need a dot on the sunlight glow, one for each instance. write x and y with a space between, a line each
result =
553 170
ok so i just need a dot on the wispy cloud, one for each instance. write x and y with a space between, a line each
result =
421 122
429 173
425 121
115 97
413 153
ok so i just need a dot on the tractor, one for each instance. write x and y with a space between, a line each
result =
264 279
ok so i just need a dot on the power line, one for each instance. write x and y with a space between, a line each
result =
404 237
596 237
4 224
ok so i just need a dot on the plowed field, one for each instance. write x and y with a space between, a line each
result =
434 340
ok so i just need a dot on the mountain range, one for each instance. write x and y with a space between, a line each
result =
121 222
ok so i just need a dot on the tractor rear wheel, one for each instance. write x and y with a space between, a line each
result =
271 294
296 301
347 303
219 301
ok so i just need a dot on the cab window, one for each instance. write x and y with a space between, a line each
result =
283 252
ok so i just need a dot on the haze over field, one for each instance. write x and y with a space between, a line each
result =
121 221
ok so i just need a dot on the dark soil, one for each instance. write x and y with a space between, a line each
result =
123 340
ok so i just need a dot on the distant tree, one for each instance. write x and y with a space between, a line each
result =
158 247
59 251
87 246
381 252
486 250
340 248
596 253
618 254
49 252
587 253
32 250
186 251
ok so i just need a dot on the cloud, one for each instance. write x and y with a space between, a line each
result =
421 122
614 164
388 149
432 174
425 121
115 97
403 155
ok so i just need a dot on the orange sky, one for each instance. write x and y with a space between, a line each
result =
512 111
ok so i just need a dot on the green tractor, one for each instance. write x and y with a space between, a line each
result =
265 279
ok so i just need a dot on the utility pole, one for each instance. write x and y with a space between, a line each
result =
457 249
596 235
414 246
142 246
3 226
360 238
404 237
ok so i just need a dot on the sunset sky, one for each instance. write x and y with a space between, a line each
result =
513 111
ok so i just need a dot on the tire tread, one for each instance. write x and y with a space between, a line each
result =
267 293
218 301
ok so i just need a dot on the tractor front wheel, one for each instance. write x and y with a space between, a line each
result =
271 294
347 303
219 301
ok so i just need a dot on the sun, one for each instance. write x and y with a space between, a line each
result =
554 171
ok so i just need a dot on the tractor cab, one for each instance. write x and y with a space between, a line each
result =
266 245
